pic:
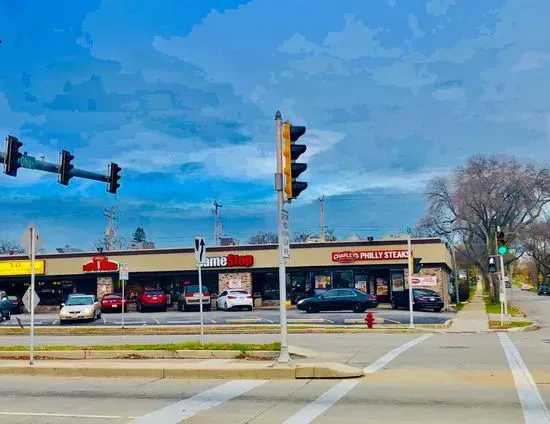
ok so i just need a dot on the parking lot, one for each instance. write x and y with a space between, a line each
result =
257 316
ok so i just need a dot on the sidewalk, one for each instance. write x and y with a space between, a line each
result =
472 318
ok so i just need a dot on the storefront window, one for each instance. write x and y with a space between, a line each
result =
323 281
362 282
343 280
297 287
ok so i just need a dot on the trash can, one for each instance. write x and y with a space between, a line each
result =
258 302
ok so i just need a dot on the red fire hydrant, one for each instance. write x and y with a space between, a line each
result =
369 319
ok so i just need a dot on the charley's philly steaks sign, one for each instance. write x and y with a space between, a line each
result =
369 255
229 261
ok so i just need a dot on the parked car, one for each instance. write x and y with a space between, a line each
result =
526 287
232 299
152 299
113 302
338 300
422 299
80 308
544 291
5 306
16 305
190 298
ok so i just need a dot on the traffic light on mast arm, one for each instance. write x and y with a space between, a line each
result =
65 167
114 177
291 152
12 156
501 243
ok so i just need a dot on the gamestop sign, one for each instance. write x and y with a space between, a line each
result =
369 255
229 261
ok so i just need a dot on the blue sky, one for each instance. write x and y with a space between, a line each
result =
182 95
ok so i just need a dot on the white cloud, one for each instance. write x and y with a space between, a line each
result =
531 60
413 26
298 44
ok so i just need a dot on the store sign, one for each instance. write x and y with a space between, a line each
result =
8 268
230 261
369 255
100 264
424 281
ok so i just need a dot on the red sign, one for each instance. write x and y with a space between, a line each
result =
369 255
234 261
100 264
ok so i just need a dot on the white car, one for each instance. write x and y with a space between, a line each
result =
79 308
230 299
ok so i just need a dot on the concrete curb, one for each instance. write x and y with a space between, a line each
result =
80 354
248 371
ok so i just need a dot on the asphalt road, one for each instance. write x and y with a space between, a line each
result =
411 378
258 316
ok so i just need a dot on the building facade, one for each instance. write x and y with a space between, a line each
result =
378 267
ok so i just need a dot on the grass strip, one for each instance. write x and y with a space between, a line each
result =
513 324
242 347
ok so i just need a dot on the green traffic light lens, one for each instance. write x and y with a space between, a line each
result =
502 250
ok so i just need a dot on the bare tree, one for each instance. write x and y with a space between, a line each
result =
536 243
487 192
119 243
263 238
8 247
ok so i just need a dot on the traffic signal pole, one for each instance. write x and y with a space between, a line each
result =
410 274
284 356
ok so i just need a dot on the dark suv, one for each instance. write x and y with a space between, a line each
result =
422 299
189 298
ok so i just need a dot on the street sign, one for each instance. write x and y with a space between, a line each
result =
27 299
285 230
25 239
200 250
123 272
28 162
492 265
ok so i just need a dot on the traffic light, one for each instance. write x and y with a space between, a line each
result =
501 243
11 160
492 265
65 167
291 152
114 170
417 265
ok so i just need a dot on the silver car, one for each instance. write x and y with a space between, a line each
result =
80 308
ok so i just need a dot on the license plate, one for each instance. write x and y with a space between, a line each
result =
114 306
432 298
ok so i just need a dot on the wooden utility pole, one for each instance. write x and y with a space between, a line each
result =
216 223
110 214
322 200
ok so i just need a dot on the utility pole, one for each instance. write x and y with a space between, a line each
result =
110 214
322 200
216 223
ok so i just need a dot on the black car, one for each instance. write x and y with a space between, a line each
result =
338 300
422 299
544 291
15 304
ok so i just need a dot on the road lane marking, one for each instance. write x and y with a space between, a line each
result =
187 408
310 412
534 408
390 356
48 414
156 320
130 322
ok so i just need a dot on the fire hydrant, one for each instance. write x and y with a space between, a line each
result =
369 319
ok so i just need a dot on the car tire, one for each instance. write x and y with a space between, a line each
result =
310 308
164 308
225 308
437 310
8 317
357 308
99 316
140 308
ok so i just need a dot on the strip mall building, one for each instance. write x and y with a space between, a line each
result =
377 267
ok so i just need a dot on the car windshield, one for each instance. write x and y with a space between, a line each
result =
195 289
154 293
420 292
83 300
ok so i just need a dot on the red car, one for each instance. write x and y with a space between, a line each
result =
113 302
152 299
